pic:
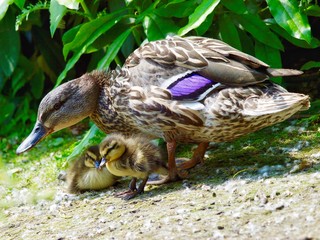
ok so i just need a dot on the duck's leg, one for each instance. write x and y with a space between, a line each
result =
197 156
173 171
132 188
137 192
173 174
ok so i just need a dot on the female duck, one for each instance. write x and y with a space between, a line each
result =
191 89
84 173
134 156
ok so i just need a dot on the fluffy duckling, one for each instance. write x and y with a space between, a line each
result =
84 174
132 156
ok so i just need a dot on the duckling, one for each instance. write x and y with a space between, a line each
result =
133 156
84 174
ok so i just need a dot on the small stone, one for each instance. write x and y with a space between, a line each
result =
110 209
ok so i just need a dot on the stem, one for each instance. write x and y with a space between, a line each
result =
117 60
86 9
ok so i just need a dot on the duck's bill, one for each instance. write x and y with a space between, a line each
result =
38 133
97 164
102 163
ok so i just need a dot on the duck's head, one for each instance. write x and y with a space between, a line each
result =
64 106
92 157
111 149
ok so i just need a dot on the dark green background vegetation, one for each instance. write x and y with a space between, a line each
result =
44 43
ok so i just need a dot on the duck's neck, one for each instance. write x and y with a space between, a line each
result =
111 112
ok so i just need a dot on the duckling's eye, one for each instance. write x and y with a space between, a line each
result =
115 146
57 106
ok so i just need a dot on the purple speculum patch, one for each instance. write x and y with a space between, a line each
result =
190 87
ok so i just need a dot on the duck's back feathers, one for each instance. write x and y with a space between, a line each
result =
165 61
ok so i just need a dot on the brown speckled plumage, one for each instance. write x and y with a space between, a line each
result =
137 98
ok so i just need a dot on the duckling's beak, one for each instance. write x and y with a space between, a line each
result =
38 133
97 164
103 162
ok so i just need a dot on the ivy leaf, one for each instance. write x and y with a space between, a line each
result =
288 15
199 15
57 12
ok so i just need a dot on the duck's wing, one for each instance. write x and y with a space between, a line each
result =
166 62
155 108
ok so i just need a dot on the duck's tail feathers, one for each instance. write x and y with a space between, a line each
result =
287 103
281 72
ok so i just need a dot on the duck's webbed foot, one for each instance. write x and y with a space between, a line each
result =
197 157
132 191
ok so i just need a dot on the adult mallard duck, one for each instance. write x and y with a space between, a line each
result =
133 156
191 89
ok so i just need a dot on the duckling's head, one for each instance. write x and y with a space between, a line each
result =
111 149
92 157
63 107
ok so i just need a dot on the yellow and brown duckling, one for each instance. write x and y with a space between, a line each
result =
133 156
85 174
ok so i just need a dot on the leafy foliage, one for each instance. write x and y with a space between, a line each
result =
62 39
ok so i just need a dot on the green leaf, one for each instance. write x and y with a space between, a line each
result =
20 3
113 50
85 142
236 6
52 55
310 64
313 10
205 26
298 42
18 80
248 47
157 27
6 110
176 8
290 18
9 45
228 31
37 84
96 30
85 32
71 4
254 25
269 55
57 12
4 7
199 15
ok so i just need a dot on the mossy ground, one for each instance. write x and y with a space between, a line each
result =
264 185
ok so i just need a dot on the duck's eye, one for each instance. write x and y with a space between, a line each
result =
57 106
